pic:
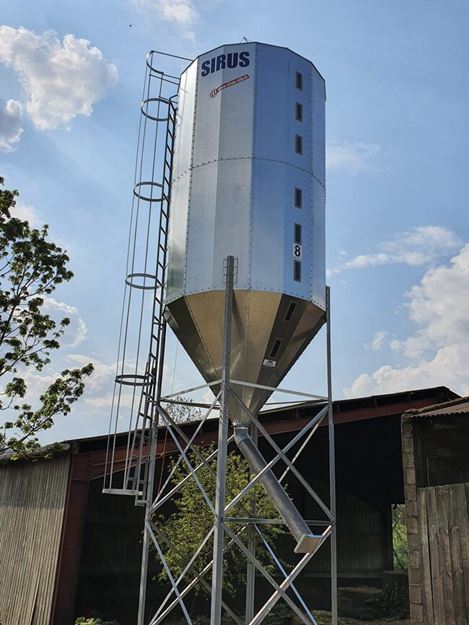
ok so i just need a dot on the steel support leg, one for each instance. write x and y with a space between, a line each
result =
146 537
250 568
151 459
333 504
219 529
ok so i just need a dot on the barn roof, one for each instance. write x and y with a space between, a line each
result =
287 419
293 418
459 406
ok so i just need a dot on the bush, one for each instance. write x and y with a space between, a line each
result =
190 519
399 538
83 620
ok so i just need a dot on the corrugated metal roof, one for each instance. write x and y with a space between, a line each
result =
44 452
292 418
458 406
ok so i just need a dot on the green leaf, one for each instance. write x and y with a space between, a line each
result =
31 267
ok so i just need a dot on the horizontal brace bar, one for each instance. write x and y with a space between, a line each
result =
122 491
193 404
189 390
279 390
239 519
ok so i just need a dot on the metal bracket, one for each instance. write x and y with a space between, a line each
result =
235 271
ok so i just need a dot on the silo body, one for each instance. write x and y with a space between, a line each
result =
248 180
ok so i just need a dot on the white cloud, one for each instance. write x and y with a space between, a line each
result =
412 346
416 247
377 341
77 331
438 351
103 374
27 213
352 158
98 398
36 219
183 13
91 413
61 79
10 125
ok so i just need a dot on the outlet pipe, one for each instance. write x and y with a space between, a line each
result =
306 541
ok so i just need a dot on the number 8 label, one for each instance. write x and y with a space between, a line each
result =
297 251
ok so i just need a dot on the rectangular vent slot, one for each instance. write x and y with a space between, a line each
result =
298 197
299 112
298 144
290 311
275 348
297 271
297 234
299 81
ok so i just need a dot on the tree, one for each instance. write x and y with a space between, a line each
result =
190 519
182 411
31 267
399 538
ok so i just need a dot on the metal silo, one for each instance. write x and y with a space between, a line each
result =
227 247
248 180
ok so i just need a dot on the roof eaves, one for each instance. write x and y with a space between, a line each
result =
439 409
45 452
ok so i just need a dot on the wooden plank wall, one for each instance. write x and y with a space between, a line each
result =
32 502
443 513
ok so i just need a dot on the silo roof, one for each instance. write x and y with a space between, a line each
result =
272 45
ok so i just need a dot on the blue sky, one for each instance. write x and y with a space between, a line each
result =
397 76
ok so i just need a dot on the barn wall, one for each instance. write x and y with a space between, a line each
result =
364 537
444 534
434 453
109 574
369 481
32 502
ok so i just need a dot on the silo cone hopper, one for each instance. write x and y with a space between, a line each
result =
248 181
270 331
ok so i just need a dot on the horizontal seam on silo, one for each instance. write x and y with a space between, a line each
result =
241 158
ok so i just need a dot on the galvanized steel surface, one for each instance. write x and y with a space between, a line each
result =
32 502
236 170
260 321
306 541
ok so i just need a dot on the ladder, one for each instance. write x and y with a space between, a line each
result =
137 474
139 365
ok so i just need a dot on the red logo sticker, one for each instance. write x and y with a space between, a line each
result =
230 83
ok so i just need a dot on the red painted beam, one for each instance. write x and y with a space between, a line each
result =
293 423
68 565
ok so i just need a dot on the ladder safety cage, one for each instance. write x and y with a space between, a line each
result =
142 331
